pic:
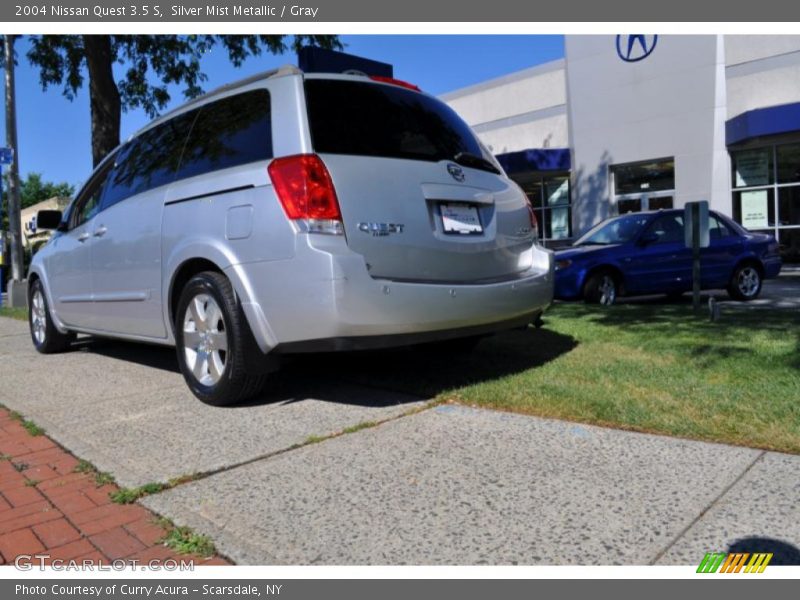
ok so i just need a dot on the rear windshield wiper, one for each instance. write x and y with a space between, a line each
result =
473 160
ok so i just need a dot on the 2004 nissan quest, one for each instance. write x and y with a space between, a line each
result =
289 213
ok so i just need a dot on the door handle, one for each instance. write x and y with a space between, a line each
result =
83 237
100 231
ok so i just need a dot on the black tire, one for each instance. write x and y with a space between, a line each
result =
240 377
745 282
44 335
602 287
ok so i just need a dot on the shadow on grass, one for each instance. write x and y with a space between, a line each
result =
418 371
662 317
674 327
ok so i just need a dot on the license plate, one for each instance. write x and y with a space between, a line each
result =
460 218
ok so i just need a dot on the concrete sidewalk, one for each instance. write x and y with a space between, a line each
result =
446 485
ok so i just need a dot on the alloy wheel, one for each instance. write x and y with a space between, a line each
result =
38 317
205 339
748 281
608 290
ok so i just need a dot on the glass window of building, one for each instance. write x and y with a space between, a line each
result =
550 198
648 185
766 193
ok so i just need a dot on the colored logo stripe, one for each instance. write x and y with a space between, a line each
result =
734 562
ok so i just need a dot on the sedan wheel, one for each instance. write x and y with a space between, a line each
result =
745 283
608 290
601 288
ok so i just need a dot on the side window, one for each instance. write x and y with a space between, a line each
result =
150 160
233 131
87 204
717 229
668 228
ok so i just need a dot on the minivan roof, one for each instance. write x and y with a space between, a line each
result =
287 69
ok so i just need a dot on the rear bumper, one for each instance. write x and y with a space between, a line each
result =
326 293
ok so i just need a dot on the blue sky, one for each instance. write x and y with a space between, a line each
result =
54 133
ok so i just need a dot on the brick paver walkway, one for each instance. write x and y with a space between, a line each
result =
48 508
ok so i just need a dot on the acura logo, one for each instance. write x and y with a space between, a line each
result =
635 47
456 172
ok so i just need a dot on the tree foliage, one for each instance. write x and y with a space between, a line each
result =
34 189
171 59
151 63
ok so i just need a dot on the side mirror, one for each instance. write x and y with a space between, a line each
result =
647 239
48 219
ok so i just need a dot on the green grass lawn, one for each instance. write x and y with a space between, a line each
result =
14 313
645 367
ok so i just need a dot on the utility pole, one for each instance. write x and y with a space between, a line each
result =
17 294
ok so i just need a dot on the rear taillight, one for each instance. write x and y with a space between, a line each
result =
305 190
393 81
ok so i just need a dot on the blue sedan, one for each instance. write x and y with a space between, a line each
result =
645 253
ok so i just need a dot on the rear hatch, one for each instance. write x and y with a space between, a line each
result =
420 198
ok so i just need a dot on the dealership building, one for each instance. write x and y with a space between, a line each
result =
642 122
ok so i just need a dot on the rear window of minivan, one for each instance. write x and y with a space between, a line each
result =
372 119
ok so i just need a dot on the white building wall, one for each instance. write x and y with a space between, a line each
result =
526 109
762 70
666 105
674 103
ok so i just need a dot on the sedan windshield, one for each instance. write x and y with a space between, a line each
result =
618 230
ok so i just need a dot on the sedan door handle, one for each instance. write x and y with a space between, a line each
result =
83 237
100 231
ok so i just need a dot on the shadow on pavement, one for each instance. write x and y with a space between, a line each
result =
148 355
421 371
784 554
430 369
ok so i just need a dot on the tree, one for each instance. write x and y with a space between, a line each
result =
154 62
33 189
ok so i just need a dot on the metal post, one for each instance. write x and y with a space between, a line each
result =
15 251
2 238
696 256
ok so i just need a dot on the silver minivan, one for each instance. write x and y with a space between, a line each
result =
290 213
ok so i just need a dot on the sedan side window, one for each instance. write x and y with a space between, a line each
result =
717 229
88 203
668 229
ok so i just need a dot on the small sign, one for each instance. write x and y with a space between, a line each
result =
704 239
752 167
6 156
755 206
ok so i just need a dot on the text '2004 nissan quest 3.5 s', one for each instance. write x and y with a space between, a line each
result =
289 213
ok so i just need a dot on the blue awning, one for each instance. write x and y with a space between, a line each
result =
784 118
536 159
